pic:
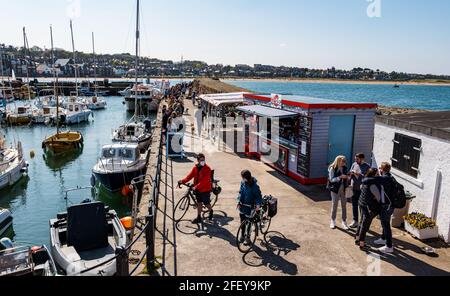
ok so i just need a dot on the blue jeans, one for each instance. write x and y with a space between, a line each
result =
386 215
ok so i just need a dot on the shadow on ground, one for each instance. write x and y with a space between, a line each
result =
277 247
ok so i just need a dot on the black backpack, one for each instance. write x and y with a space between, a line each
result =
398 198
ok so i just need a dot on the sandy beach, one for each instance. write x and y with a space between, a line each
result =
331 81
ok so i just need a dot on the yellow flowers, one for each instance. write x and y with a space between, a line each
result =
420 221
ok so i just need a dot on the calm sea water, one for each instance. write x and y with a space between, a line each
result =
38 198
436 98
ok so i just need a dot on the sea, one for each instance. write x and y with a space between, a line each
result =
426 97
42 194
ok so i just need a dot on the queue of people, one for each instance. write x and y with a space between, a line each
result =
375 192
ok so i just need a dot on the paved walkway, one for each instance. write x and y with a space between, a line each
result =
301 242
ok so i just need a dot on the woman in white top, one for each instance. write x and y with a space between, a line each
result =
337 183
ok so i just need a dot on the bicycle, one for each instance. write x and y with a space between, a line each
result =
189 200
257 221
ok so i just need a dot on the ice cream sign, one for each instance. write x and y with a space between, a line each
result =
277 101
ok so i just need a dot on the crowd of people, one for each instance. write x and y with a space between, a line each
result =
375 192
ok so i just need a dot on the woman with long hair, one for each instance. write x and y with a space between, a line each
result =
338 181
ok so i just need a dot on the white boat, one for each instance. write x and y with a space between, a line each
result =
95 103
143 99
87 236
25 261
13 165
135 132
126 92
46 98
43 115
75 113
119 164
21 115
6 220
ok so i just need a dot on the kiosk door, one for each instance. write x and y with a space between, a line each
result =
341 136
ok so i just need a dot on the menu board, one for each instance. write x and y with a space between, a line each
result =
304 145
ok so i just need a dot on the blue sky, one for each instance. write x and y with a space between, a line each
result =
410 35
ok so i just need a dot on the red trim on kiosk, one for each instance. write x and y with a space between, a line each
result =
315 106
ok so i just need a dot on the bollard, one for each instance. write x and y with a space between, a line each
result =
150 241
122 265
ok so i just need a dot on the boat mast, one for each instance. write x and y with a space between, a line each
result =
25 50
74 59
55 81
95 66
1 76
137 59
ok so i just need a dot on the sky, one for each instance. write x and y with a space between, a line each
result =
391 35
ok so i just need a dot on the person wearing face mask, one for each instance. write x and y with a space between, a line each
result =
202 175
250 197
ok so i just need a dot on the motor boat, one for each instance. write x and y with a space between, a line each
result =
87 92
75 112
95 103
126 92
86 236
143 99
119 165
6 220
43 115
20 116
13 165
46 98
135 132
25 261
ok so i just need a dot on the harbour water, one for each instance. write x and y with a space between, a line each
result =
435 98
39 197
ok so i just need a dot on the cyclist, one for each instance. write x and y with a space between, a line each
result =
202 175
249 198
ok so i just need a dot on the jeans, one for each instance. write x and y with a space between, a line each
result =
355 204
336 198
386 215
366 221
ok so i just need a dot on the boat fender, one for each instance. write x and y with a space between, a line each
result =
32 154
93 181
127 223
126 190
36 249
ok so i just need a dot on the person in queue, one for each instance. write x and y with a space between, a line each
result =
358 170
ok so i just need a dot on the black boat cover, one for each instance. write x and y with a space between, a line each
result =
87 227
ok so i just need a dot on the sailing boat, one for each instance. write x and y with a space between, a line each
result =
75 111
22 114
61 142
137 130
13 165
95 102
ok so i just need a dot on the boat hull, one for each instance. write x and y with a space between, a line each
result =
63 142
77 118
18 120
144 106
14 174
6 221
114 182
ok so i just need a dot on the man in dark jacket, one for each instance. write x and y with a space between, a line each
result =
387 210
249 198
202 175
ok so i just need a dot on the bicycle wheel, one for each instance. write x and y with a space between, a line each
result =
214 199
181 209
265 225
246 236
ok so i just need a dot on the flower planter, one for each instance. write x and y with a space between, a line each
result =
422 234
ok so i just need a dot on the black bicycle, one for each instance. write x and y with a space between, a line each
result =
257 222
189 200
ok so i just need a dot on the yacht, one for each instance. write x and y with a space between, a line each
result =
13 165
75 112
25 261
119 164
20 116
135 132
86 236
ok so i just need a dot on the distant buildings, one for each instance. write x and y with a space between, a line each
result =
121 65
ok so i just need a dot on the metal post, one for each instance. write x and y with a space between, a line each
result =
122 265
150 240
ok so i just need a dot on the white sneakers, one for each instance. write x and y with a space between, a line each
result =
333 224
380 242
345 226
386 250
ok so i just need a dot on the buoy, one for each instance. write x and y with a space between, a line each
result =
127 222
32 154
126 190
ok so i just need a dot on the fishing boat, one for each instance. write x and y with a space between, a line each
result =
20 116
95 103
119 164
13 165
46 98
86 236
43 115
63 142
6 220
25 261
75 113
143 99
126 92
